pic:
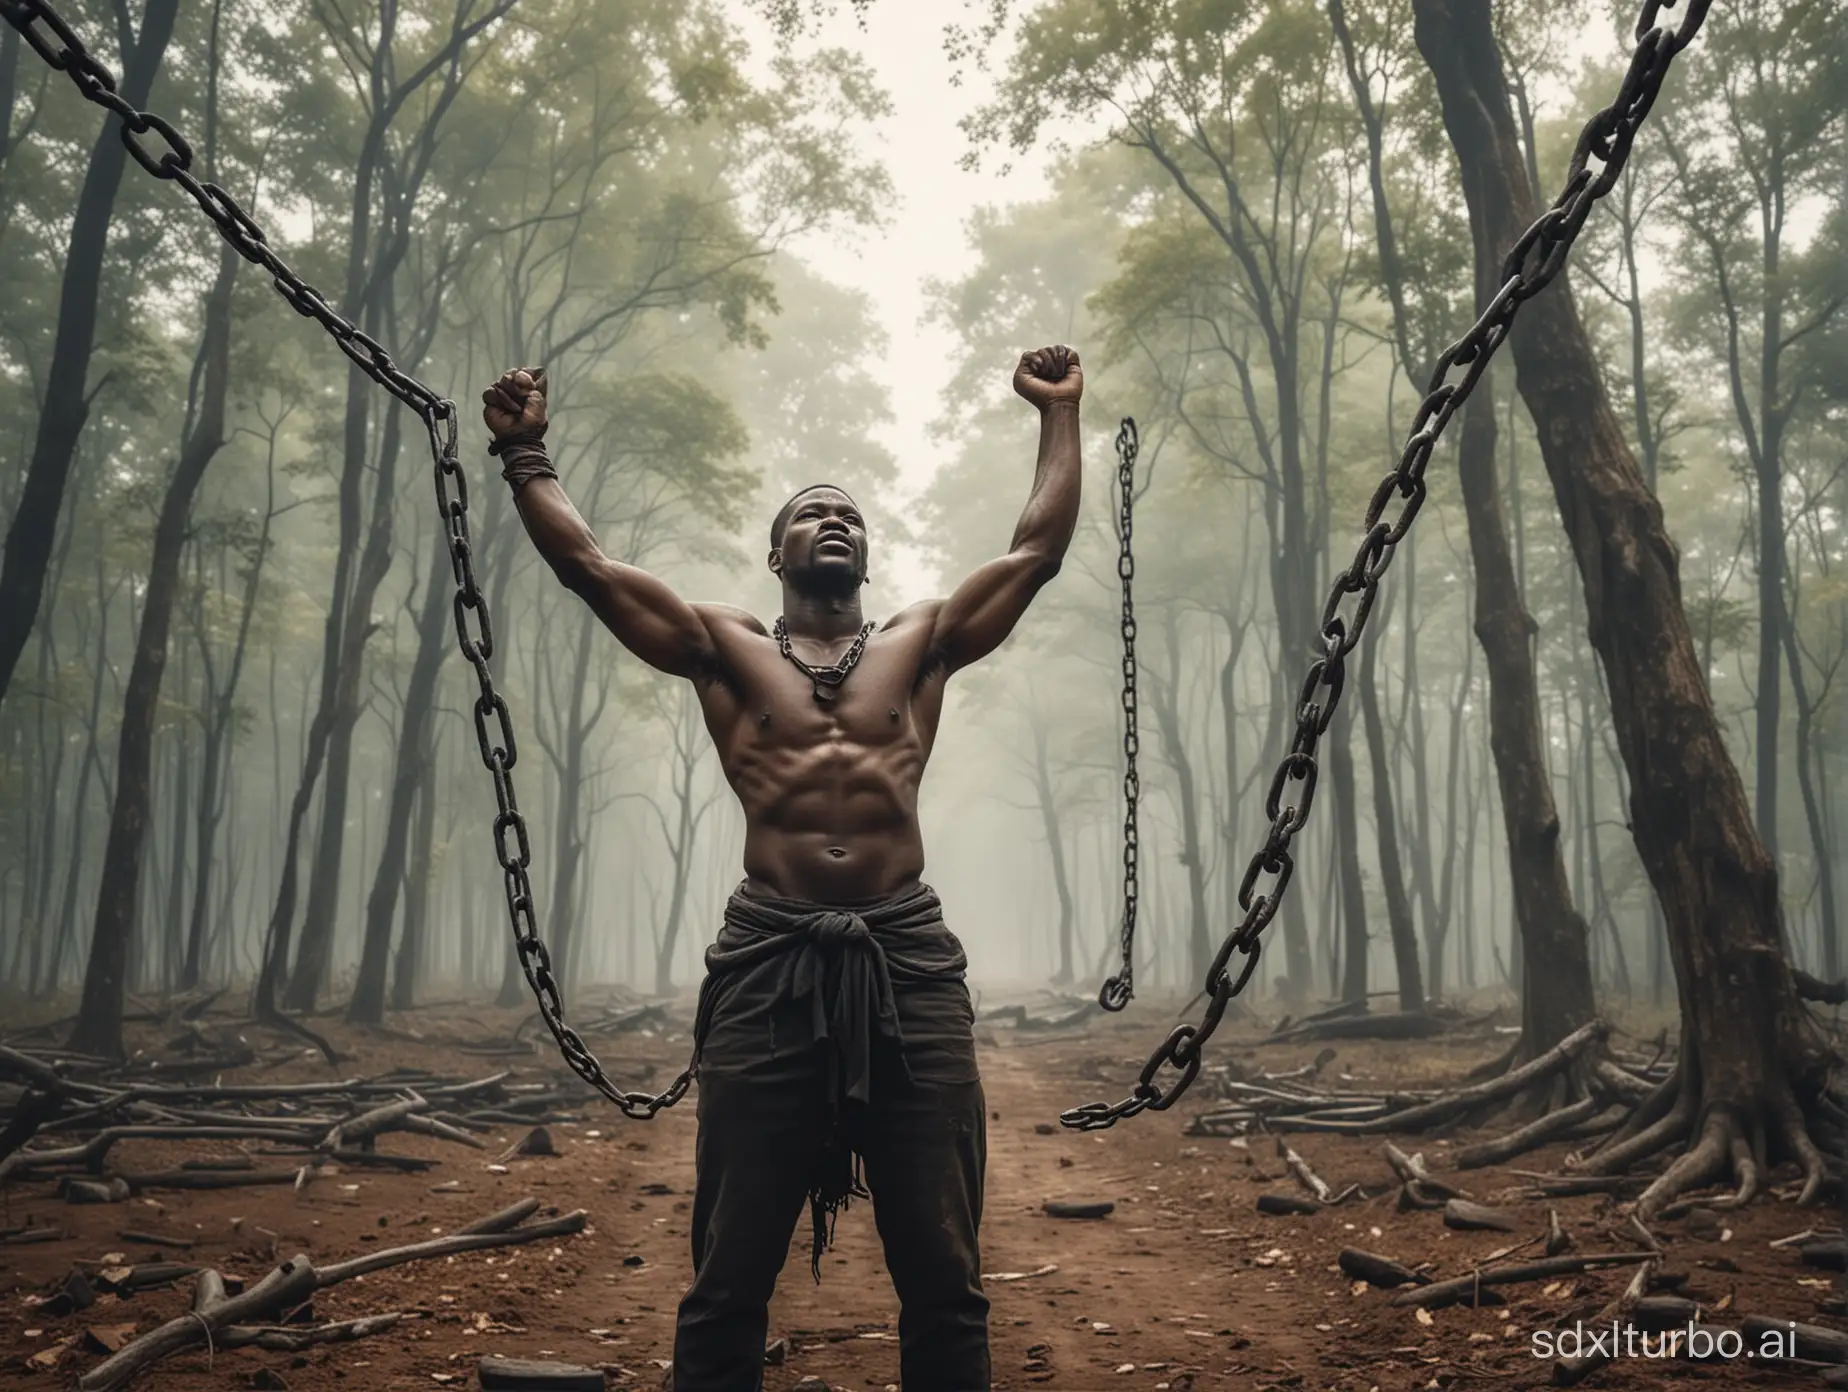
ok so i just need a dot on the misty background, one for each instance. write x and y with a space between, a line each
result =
752 259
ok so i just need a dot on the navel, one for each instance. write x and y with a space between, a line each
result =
893 712
837 852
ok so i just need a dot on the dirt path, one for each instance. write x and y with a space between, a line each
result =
1184 1286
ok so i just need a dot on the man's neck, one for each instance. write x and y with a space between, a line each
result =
822 617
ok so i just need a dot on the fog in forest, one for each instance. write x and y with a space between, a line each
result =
744 273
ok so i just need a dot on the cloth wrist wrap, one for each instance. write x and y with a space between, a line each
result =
523 458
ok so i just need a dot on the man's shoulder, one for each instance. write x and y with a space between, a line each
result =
731 617
919 615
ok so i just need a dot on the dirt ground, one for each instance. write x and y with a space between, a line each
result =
1184 1286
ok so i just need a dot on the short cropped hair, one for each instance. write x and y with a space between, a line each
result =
780 523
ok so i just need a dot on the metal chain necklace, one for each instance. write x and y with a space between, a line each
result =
826 680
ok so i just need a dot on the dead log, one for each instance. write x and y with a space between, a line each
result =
367 1125
204 1179
1569 1372
154 1239
145 1276
1465 1216
1379 1271
92 1191
1458 1291
529 1375
1811 1342
1828 1254
21 1237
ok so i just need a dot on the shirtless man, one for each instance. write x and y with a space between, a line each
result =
835 1033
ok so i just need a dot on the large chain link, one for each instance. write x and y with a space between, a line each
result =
53 40
1119 989
1536 258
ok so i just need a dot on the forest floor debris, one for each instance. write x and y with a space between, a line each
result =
1184 1283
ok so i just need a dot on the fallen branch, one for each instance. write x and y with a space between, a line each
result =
1460 1290
289 1284
282 1339
214 1314
1305 1176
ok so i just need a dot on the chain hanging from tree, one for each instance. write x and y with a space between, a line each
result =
1536 258
52 38
1118 991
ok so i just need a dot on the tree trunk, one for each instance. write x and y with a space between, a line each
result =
1420 845
214 783
99 1020
1751 1057
34 528
1166 691
1392 875
1437 932
1549 926
320 913
1807 757
1055 843
1354 940
368 1003
407 966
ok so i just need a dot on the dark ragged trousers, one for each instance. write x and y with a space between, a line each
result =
923 1140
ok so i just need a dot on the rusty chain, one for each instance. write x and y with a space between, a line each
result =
1530 266
1121 988
53 40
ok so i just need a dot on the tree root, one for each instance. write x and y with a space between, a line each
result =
1529 1137
1708 1140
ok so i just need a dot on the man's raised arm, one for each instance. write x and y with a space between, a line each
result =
647 617
977 618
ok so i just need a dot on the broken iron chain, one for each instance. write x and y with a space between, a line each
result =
57 43
1535 259
1119 989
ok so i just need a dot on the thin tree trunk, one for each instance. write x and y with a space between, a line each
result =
409 774
1392 877
99 1020
1055 845
34 529
214 782
1166 692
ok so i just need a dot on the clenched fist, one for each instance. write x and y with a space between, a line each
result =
515 405
1049 375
